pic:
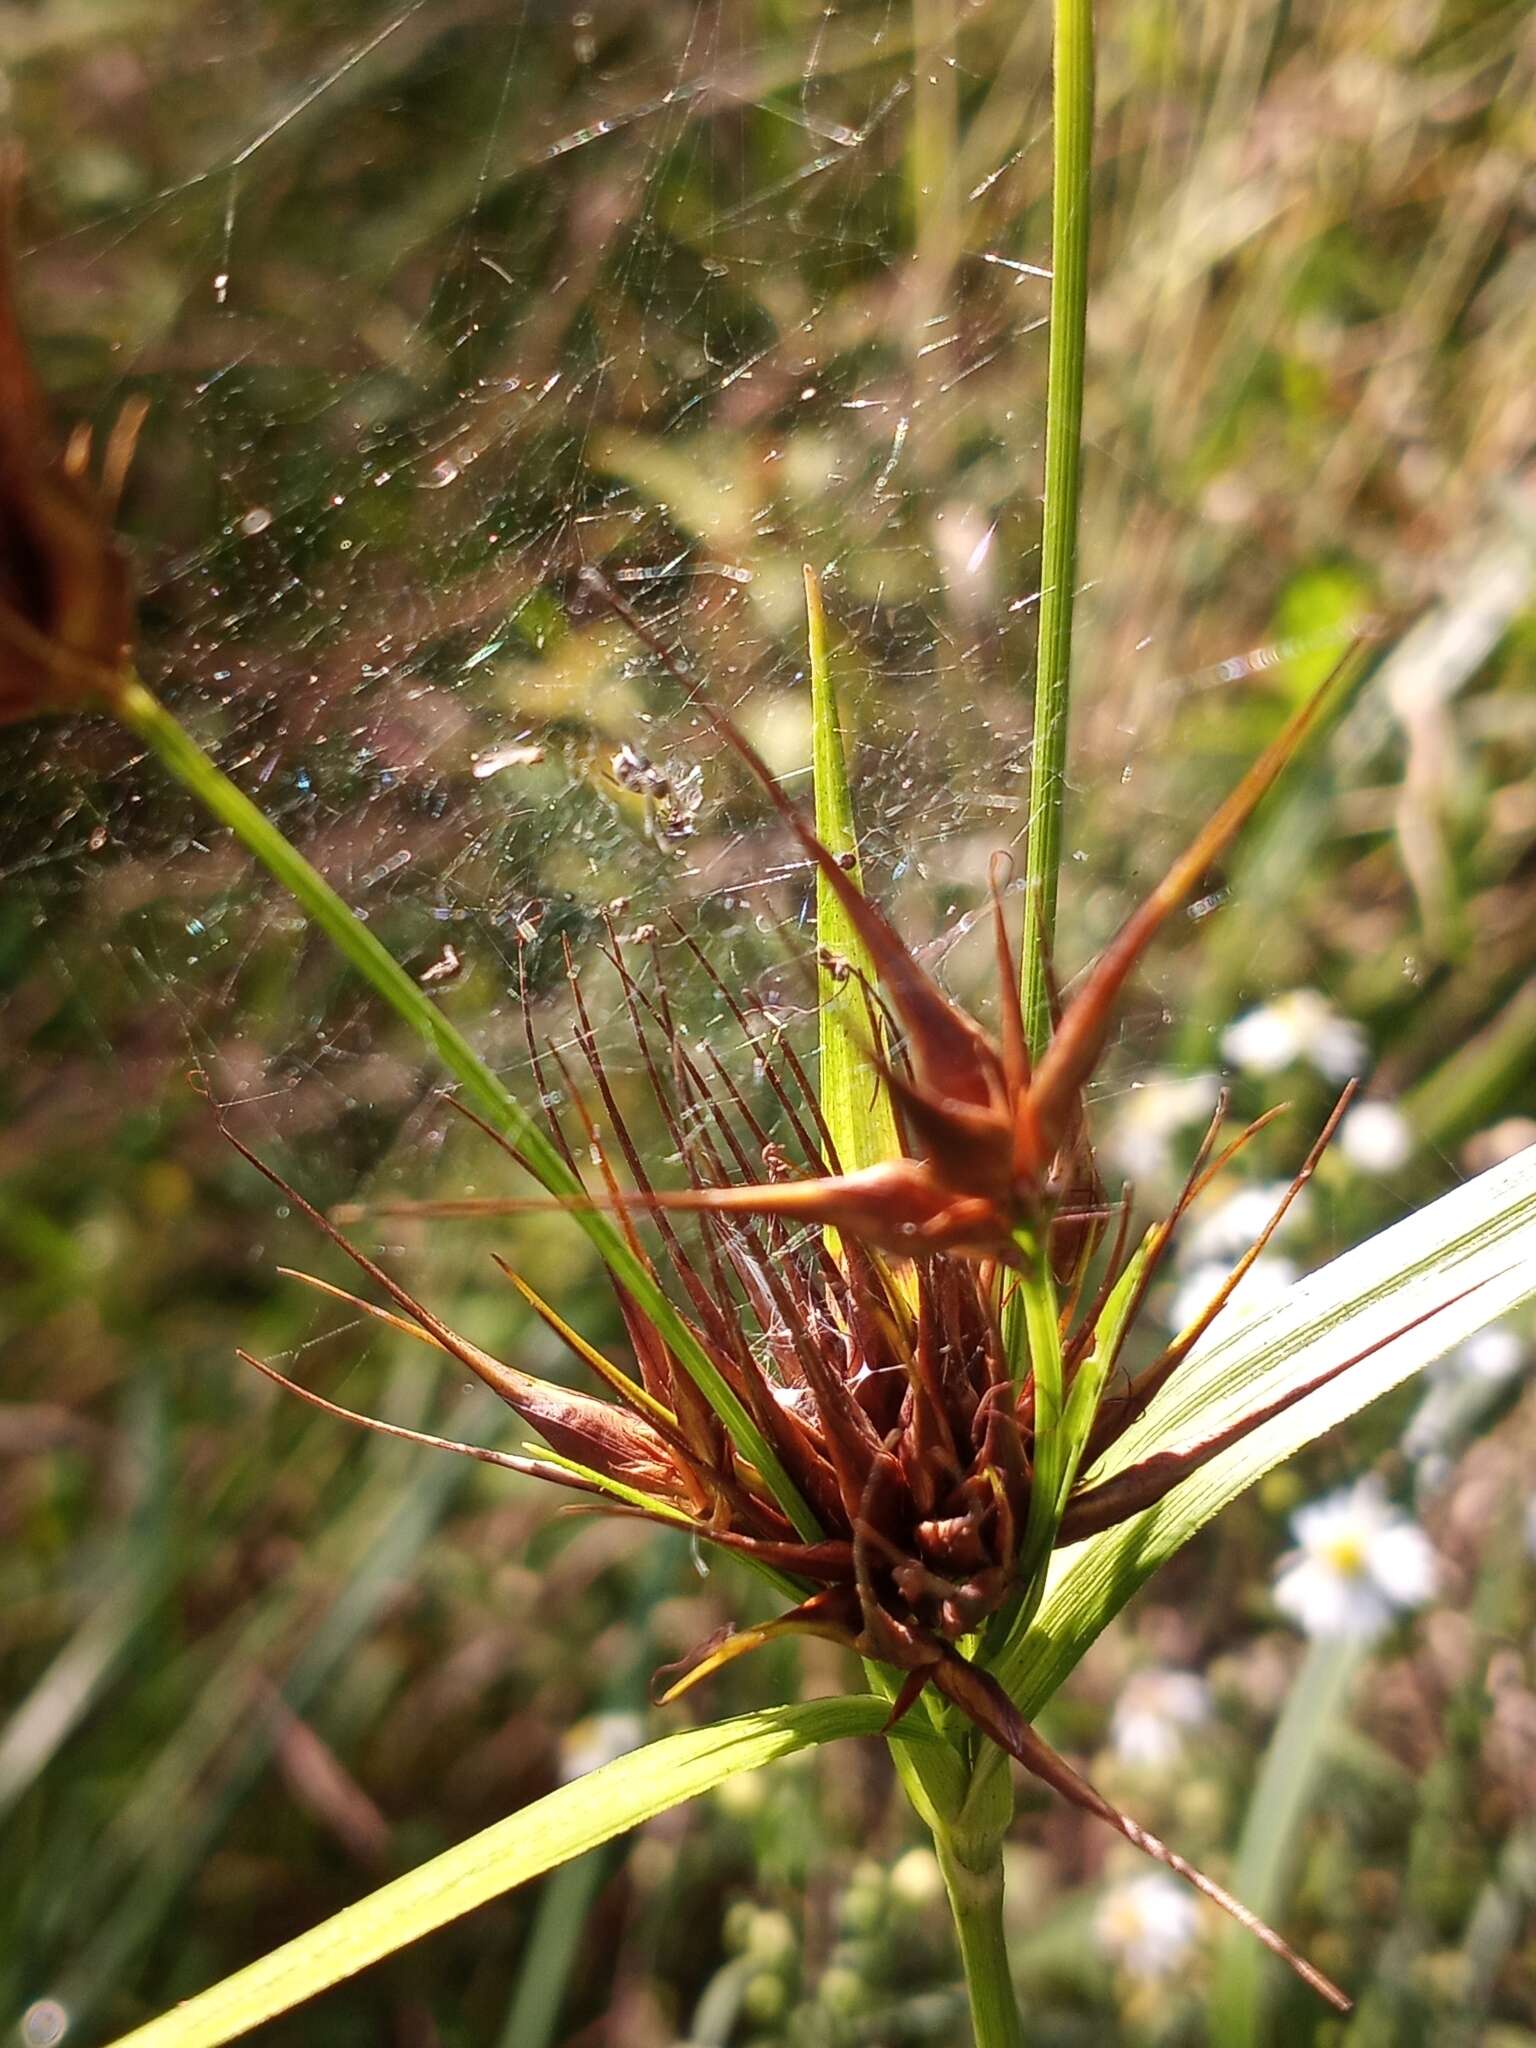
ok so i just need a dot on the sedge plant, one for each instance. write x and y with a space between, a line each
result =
879 1336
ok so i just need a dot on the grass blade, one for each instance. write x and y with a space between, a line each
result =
1287 1789
564 1824
854 1098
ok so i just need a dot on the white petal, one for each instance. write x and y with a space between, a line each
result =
1144 1740
1149 1925
1430 1423
1403 1564
596 1741
1155 1709
1493 1354
1226 1230
1336 1518
1376 1137
1264 1282
1262 1042
1324 1602
1338 1050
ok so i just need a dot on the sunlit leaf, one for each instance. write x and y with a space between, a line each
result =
566 1823
1474 1251
1089 1379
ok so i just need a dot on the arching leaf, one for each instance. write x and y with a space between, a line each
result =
577 1817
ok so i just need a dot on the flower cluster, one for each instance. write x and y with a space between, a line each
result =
1299 1028
896 1415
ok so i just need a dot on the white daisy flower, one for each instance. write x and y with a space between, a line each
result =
1152 1115
1156 1710
1265 1281
1461 1388
597 1740
1491 1355
1376 1137
1358 1563
916 1879
1295 1028
1148 1925
1224 1230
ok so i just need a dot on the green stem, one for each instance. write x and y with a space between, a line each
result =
932 151
180 754
1070 214
973 1878
963 1793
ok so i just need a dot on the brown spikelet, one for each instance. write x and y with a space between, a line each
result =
995 1145
66 607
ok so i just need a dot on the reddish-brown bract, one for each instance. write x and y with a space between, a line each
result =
992 1143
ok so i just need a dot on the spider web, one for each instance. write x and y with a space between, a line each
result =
435 309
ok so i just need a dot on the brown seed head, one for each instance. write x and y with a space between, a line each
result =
66 604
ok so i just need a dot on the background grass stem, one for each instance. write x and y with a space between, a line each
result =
1286 1792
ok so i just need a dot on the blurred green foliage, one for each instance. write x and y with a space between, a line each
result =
433 306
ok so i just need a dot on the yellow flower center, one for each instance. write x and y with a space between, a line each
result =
1123 1922
1347 1556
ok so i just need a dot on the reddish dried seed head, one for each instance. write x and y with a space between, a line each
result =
893 1409
891 1400
66 607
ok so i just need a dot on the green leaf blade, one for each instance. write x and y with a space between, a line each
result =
854 1099
1089 1380
1477 1244
565 1824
